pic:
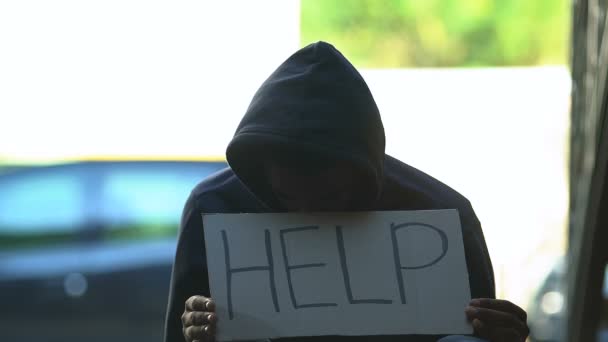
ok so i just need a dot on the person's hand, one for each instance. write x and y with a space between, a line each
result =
498 320
199 319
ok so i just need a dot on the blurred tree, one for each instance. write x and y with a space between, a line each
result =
440 33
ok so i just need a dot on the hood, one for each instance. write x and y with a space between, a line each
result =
315 102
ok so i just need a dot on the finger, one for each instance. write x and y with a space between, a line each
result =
210 305
199 332
198 318
480 329
200 303
495 319
194 301
500 305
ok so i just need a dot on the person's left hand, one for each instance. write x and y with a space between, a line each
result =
498 320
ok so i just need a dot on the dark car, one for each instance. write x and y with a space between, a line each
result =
547 314
86 248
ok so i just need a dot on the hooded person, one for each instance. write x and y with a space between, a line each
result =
311 140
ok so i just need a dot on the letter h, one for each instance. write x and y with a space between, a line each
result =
231 271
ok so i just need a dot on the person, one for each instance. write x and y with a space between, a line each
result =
312 140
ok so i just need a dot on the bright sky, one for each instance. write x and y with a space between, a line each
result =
134 77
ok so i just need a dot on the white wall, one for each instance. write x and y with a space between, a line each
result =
499 137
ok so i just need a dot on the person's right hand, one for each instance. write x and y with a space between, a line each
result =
199 319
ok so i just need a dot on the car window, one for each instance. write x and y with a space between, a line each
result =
144 201
40 206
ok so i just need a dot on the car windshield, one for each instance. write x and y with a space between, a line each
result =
145 200
52 206
38 207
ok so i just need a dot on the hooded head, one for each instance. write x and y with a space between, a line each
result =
315 112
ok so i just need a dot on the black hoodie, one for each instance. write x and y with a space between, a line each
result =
315 102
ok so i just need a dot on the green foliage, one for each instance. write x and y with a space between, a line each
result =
440 33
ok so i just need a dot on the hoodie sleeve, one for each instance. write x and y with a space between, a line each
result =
481 273
189 276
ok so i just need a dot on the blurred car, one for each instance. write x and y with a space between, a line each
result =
546 315
86 248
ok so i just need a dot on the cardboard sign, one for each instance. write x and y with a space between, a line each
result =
367 273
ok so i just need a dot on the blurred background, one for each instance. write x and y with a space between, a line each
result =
112 111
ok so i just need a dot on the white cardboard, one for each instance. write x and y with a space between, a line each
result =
435 295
